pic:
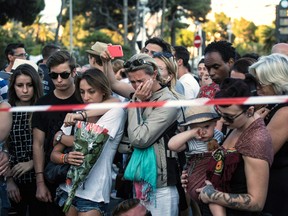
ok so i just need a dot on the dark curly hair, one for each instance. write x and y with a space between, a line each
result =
224 48
234 88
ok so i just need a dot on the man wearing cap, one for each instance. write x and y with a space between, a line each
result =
94 55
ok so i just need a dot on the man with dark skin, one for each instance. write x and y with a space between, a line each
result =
219 57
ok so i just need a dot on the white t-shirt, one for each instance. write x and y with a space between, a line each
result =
191 86
99 181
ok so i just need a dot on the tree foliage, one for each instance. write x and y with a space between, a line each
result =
24 11
109 14
246 36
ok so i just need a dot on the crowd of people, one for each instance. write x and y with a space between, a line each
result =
207 160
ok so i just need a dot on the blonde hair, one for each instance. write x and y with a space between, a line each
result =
117 64
172 69
272 70
148 68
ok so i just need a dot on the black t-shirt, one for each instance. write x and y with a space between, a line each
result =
50 122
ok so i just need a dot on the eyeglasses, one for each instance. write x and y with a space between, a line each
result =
228 118
261 85
160 54
21 55
63 75
136 63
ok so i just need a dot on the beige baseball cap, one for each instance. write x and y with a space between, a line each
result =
97 48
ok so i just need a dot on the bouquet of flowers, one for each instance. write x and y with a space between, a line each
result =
89 138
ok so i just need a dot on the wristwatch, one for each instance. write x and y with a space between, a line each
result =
59 137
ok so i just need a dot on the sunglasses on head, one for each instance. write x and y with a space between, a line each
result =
63 75
160 54
228 118
136 63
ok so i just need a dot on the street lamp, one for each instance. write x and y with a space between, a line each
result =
229 31
143 4
71 25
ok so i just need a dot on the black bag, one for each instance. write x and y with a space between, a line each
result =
56 173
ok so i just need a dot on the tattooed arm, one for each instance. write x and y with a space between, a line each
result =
257 177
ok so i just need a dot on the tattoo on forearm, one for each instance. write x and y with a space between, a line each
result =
209 190
236 201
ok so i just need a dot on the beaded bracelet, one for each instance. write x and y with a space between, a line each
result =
63 158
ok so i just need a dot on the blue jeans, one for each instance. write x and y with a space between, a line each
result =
5 203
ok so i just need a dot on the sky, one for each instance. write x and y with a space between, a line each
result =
261 12
51 11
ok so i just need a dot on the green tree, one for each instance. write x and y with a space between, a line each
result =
247 37
24 11
195 9
217 30
267 38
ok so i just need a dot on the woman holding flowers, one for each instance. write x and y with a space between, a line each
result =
92 178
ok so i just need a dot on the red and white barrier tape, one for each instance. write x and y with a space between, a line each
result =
174 103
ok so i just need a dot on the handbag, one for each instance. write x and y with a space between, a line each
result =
56 173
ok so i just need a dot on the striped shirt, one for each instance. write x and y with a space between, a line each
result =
3 89
197 146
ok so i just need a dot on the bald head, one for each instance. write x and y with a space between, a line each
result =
280 48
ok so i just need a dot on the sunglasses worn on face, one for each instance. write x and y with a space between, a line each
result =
63 75
160 54
228 118
136 63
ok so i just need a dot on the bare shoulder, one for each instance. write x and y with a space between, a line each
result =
280 116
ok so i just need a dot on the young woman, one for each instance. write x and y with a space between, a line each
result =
243 160
169 72
24 89
93 87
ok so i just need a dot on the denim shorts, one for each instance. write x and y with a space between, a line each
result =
81 205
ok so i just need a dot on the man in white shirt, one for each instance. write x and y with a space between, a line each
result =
191 86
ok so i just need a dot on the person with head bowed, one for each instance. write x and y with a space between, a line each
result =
25 89
152 166
239 168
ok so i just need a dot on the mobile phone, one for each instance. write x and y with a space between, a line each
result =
115 50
